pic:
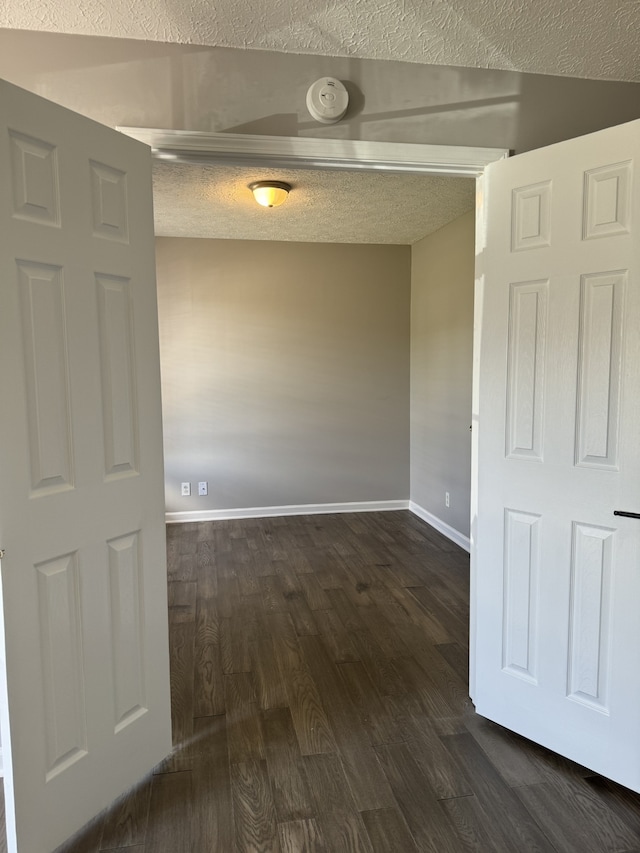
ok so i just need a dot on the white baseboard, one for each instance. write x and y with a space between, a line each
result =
274 511
441 526
320 509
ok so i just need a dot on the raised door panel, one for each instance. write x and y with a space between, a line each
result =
526 364
44 335
600 365
118 380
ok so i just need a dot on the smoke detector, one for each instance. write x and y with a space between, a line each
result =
327 100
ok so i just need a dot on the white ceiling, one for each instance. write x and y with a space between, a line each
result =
324 206
598 39
580 38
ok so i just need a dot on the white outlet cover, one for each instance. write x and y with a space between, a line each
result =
327 100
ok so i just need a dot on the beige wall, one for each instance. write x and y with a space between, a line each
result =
149 84
442 281
285 371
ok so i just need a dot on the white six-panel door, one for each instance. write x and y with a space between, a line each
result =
556 581
81 489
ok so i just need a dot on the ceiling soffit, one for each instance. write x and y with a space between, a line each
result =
577 38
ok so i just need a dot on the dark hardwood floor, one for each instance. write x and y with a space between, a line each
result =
319 684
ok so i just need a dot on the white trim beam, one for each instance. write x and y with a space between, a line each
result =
189 146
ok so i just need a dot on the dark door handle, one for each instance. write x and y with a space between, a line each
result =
626 514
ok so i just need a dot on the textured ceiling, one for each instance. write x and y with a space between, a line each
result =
580 38
324 206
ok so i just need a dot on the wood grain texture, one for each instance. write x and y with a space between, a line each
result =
301 836
253 809
211 787
571 813
244 728
388 832
338 818
514 823
284 763
364 775
417 801
126 823
319 677
269 683
208 683
170 814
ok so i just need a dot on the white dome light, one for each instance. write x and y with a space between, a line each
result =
270 193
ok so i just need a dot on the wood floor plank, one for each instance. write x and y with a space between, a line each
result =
423 686
208 687
403 609
380 669
302 617
206 574
388 832
337 816
374 717
272 592
228 596
125 824
439 675
572 814
385 631
514 823
182 601
170 819
457 657
301 836
625 803
364 774
284 764
314 595
350 615
236 635
289 580
253 810
181 661
211 788
336 638
267 676
184 568
417 801
244 729
474 826
310 720
248 583
508 752
437 616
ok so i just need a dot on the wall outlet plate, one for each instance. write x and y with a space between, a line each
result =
185 490
203 488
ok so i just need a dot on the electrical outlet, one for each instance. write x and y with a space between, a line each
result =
186 490
446 498
203 488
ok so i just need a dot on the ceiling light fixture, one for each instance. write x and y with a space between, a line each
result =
270 193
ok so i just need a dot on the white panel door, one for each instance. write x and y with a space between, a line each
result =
81 492
556 575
